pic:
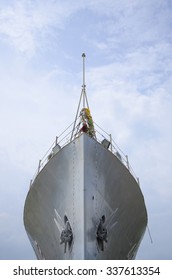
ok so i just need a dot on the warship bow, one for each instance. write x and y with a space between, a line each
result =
85 201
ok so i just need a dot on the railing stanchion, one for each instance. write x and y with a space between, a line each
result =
39 165
56 141
30 183
138 181
127 162
111 142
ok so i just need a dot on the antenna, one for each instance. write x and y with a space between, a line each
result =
83 85
83 56
83 97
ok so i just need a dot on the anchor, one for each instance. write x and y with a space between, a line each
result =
66 235
65 230
101 233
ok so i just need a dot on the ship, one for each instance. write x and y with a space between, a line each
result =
85 201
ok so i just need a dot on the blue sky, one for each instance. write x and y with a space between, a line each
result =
128 45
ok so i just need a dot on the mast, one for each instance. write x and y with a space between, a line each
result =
83 84
84 100
83 93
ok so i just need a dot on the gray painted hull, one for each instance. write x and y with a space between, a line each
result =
85 182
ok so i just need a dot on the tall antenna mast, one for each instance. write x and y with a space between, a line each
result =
82 97
83 85
85 110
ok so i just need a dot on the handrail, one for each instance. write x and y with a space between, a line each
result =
66 139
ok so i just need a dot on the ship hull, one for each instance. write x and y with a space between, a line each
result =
87 185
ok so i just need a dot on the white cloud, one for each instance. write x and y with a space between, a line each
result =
129 25
16 26
24 23
128 77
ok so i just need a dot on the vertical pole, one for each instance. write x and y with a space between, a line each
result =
127 162
83 86
138 181
30 183
83 96
39 165
110 142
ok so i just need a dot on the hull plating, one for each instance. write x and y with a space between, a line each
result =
90 187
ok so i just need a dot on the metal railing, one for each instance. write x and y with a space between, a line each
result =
65 138
114 148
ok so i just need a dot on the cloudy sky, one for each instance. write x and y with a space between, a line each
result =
128 44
